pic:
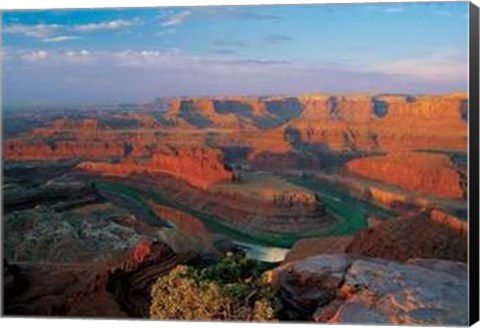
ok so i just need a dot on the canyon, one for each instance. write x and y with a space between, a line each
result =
327 189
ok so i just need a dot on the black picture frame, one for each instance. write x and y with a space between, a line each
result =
473 166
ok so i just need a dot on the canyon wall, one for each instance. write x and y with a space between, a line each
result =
417 172
337 122
365 122
199 167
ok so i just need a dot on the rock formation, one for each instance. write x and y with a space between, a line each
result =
417 172
450 220
357 290
338 122
118 288
199 167
410 237
317 246
392 123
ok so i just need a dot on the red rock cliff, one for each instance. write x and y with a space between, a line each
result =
417 172
367 122
199 167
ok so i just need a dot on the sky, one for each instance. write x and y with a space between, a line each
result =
136 54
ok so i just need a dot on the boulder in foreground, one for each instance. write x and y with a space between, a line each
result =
350 289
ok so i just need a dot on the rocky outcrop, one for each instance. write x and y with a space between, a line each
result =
199 167
410 237
117 288
417 172
357 290
308 247
130 282
449 220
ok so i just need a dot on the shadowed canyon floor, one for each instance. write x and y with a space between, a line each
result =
98 204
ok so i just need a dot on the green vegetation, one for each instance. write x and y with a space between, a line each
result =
232 289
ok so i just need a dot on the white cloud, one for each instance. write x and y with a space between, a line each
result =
50 32
35 55
148 58
61 38
106 25
79 57
439 67
176 19
394 10
36 31
171 60
435 67
82 53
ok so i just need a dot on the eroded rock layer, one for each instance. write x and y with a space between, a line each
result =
339 122
199 167
417 172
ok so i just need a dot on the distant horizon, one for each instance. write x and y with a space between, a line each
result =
131 55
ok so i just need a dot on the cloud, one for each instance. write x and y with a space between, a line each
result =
170 71
35 55
36 31
49 31
277 38
79 57
435 67
113 76
176 19
106 25
77 53
171 59
237 13
61 38
394 10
